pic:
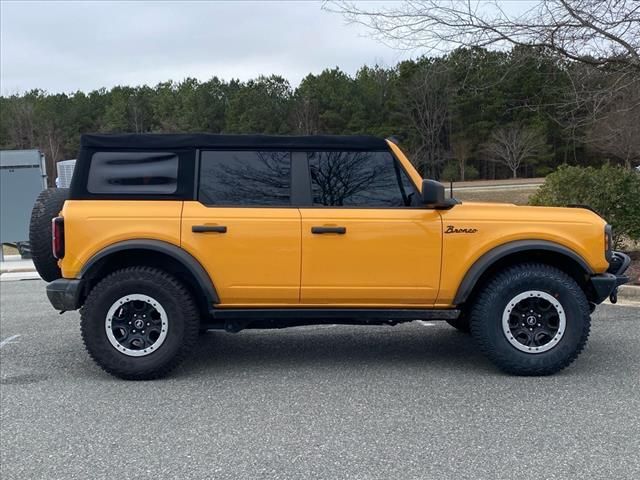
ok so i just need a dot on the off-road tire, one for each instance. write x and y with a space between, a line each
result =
47 206
181 310
489 305
461 323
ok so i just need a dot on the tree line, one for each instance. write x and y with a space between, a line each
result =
472 113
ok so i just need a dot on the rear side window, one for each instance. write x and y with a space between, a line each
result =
359 179
133 173
245 178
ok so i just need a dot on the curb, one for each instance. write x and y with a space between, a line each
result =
16 270
629 292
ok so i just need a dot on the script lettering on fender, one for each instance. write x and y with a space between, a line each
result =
452 229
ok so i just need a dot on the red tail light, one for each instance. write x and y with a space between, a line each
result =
57 237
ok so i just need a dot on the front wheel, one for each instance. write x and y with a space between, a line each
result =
531 319
139 323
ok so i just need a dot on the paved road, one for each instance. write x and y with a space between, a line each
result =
410 402
482 188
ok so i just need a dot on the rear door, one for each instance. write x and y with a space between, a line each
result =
366 240
243 228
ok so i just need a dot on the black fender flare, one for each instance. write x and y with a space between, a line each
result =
481 265
177 253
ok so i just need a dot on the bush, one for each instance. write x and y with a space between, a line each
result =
613 192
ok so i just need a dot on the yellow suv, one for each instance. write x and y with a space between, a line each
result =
163 236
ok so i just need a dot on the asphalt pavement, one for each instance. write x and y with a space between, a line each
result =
415 401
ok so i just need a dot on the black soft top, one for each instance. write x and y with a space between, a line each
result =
209 140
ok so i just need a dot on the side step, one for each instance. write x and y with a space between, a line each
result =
234 320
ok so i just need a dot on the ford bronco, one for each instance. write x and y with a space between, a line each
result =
161 236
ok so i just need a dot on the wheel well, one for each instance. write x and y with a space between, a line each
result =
148 258
555 259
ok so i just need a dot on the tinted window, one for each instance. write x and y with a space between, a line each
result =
245 178
359 179
133 173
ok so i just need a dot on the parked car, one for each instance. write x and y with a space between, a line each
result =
162 236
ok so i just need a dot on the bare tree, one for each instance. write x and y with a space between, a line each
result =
461 149
599 107
595 32
513 146
22 126
617 131
599 40
305 115
51 145
426 103
136 114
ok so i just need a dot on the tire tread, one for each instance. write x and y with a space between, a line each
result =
189 310
46 207
488 295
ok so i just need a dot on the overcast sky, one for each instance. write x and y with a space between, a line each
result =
69 46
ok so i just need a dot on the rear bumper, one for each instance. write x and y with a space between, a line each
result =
606 284
65 294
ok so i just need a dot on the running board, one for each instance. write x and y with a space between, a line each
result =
406 314
234 320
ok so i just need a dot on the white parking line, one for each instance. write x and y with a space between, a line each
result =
9 340
426 324
314 327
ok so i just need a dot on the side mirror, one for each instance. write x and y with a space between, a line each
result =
433 193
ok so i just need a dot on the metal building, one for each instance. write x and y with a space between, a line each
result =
22 177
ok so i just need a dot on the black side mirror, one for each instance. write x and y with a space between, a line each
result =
433 193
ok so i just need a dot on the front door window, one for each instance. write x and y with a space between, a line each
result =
359 179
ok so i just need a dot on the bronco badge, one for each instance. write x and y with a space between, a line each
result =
452 229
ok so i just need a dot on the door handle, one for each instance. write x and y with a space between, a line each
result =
321 230
209 228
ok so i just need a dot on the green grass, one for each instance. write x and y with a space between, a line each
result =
519 196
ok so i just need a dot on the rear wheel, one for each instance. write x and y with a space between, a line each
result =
531 319
139 323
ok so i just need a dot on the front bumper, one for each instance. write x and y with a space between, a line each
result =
65 294
606 284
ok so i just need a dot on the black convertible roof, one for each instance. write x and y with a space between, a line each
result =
209 140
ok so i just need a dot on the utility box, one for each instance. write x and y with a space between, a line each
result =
22 177
65 173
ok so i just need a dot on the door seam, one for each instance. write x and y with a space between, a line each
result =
300 263
441 258
180 224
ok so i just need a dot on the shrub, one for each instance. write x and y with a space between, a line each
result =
613 192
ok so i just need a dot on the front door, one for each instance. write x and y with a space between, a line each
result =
243 229
367 241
